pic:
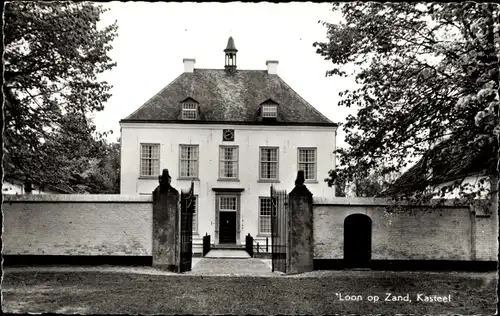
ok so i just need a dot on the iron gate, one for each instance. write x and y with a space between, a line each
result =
186 242
279 229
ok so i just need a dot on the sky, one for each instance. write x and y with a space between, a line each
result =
153 38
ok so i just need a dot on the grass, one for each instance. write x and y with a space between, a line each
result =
125 293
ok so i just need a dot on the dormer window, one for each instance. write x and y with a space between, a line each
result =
189 109
269 110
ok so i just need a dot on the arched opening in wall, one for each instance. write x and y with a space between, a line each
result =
357 241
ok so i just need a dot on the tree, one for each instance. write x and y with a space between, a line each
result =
103 176
428 72
84 164
373 185
53 55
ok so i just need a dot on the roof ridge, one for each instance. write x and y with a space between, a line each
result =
145 103
305 101
221 69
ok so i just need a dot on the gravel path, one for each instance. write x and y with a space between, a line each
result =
200 266
239 267
233 267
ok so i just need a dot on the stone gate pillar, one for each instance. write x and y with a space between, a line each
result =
166 225
300 233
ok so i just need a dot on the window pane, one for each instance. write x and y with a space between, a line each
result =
265 215
150 151
155 152
227 203
228 167
155 170
307 163
265 206
269 154
145 166
183 168
265 224
268 163
195 215
269 110
188 115
189 161
228 162
189 111
307 155
191 169
272 170
273 154
229 154
309 170
264 170
150 159
184 152
189 106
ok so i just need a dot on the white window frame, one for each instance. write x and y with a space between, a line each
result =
261 217
152 160
269 162
269 110
222 160
314 163
195 215
188 108
194 161
232 197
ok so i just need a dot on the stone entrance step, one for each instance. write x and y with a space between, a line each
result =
229 246
227 253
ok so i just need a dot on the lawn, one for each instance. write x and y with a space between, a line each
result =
127 293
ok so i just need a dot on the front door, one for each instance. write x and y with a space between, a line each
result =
226 219
227 229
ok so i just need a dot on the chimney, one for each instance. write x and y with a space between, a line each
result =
272 67
188 64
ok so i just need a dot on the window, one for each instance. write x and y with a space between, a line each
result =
227 203
264 215
228 162
189 111
307 162
188 161
269 163
195 215
269 110
150 159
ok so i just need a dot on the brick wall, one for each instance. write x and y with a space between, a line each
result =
424 233
117 225
486 231
77 225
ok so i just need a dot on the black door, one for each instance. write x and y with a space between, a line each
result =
357 241
227 224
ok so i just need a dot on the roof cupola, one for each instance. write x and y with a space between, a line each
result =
230 51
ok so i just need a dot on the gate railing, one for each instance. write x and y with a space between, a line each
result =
261 248
186 238
279 229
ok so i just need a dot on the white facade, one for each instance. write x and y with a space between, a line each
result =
247 188
16 188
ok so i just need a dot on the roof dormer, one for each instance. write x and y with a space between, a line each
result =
190 109
269 109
